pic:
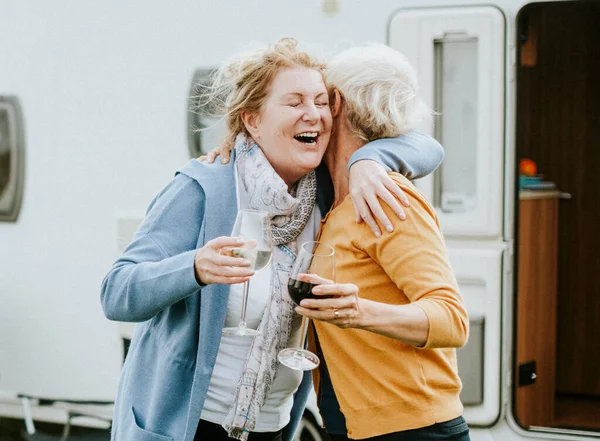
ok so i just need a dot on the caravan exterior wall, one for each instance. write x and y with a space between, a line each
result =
103 88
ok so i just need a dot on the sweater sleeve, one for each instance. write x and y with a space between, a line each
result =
414 154
157 269
414 256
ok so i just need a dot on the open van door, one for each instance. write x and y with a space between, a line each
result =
459 56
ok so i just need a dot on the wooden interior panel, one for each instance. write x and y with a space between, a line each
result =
537 300
579 413
559 127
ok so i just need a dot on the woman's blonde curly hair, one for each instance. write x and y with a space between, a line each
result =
244 83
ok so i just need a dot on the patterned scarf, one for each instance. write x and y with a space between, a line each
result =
290 214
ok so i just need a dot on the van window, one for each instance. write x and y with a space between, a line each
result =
204 133
4 152
11 158
455 67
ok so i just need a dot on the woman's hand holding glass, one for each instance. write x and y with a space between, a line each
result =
213 265
335 303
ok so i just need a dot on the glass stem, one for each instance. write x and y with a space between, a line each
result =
303 330
244 304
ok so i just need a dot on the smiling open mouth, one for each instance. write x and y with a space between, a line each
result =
308 138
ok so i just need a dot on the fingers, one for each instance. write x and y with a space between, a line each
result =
228 271
377 210
336 296
225 156
362 208
339 303
313 278
211 156
397 192
229 280
211 266
335 289
357 214
223 260
343 318
390 198
341 310
224 241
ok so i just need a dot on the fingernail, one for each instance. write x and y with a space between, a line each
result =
377 234
389 228
247 262
402 216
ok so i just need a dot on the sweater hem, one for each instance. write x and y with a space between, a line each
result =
400 416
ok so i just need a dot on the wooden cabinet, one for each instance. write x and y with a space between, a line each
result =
536 306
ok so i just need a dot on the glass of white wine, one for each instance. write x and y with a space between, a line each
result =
255 228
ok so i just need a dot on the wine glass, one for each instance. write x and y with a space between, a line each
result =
314 258
255 228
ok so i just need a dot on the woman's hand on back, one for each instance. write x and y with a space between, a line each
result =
368 184
224 152
211 265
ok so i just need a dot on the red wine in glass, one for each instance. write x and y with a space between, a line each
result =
300 290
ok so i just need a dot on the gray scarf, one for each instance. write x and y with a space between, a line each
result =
290 214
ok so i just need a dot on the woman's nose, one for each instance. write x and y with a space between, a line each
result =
312 113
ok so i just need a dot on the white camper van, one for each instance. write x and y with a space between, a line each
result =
94 121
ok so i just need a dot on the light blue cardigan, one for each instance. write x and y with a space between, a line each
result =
167 372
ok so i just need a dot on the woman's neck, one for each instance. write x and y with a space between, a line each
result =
337 156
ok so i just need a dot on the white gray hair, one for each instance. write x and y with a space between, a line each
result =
379 89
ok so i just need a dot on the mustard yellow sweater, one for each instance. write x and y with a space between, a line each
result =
384 385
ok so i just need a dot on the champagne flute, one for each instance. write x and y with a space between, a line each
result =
255 228
314 258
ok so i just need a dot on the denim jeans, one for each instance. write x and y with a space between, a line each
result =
213 432
455 430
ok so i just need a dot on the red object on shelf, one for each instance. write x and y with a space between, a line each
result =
527 167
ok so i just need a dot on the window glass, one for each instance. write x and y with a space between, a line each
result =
5 152
11 158
456 123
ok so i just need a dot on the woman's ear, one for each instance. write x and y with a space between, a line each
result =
336 106
252 121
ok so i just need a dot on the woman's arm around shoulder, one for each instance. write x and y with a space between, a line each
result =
414 154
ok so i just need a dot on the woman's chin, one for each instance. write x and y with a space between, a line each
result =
308 165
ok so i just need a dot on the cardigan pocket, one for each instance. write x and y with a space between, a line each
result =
138 433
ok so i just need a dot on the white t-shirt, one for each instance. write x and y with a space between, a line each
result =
233 350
